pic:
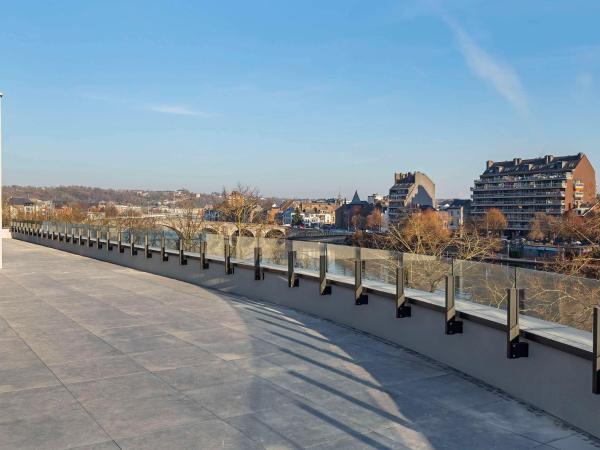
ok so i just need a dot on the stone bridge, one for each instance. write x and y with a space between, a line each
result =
229 229
249 230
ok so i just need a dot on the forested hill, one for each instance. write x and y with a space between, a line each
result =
93 195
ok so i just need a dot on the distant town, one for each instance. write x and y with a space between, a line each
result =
517 200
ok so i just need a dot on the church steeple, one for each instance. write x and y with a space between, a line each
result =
356 199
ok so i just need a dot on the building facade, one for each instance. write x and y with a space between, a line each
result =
523 187
410 191
353 215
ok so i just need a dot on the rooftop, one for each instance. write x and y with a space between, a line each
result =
103 356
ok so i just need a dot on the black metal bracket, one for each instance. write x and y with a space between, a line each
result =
514 348
324 288
293 280
132 246
227 257
163 254
147 252
182 258
203 260
258 272
453 326
359 297
402 308
596 351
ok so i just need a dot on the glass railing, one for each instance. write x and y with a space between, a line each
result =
553 297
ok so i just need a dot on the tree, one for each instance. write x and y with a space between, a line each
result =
70 214
374 220
242 206
297 218
110 210
494 221
186 222
356 220
427 246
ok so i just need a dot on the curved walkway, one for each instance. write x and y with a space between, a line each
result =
97 356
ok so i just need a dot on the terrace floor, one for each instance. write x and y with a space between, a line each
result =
97 356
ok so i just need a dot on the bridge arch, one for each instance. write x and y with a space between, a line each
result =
246 232
275 233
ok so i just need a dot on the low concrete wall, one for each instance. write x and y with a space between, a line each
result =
553 380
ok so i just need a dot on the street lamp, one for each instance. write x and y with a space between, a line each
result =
1 229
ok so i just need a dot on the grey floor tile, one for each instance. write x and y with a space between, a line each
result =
173 358
209 435
517 418
59 430
201 376
575 442
134 386
129 417
239 397
36 376
96 368
295 425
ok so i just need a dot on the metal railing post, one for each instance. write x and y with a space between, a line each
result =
324 288
120 242
203 259
132 243
182 258
147 252
89 238
402 308
258 273
227 256
453 326
163 253
514 348
359 297
108 244
596 350
293 280
98 243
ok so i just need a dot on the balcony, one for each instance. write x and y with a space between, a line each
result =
169 353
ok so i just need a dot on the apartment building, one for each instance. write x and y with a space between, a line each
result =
410 191
313 214
522 187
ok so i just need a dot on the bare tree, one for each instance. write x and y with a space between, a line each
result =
242 206
494 221
428 246
187 222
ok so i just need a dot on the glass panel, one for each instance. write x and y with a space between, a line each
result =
307 255
340 259
214 245
242 248
380 265
483 283
565 299
426 273
274 251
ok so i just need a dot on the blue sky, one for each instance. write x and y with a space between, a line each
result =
304 98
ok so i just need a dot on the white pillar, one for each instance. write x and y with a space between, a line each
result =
1 229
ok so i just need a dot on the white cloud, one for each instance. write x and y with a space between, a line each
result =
179 110
499 75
